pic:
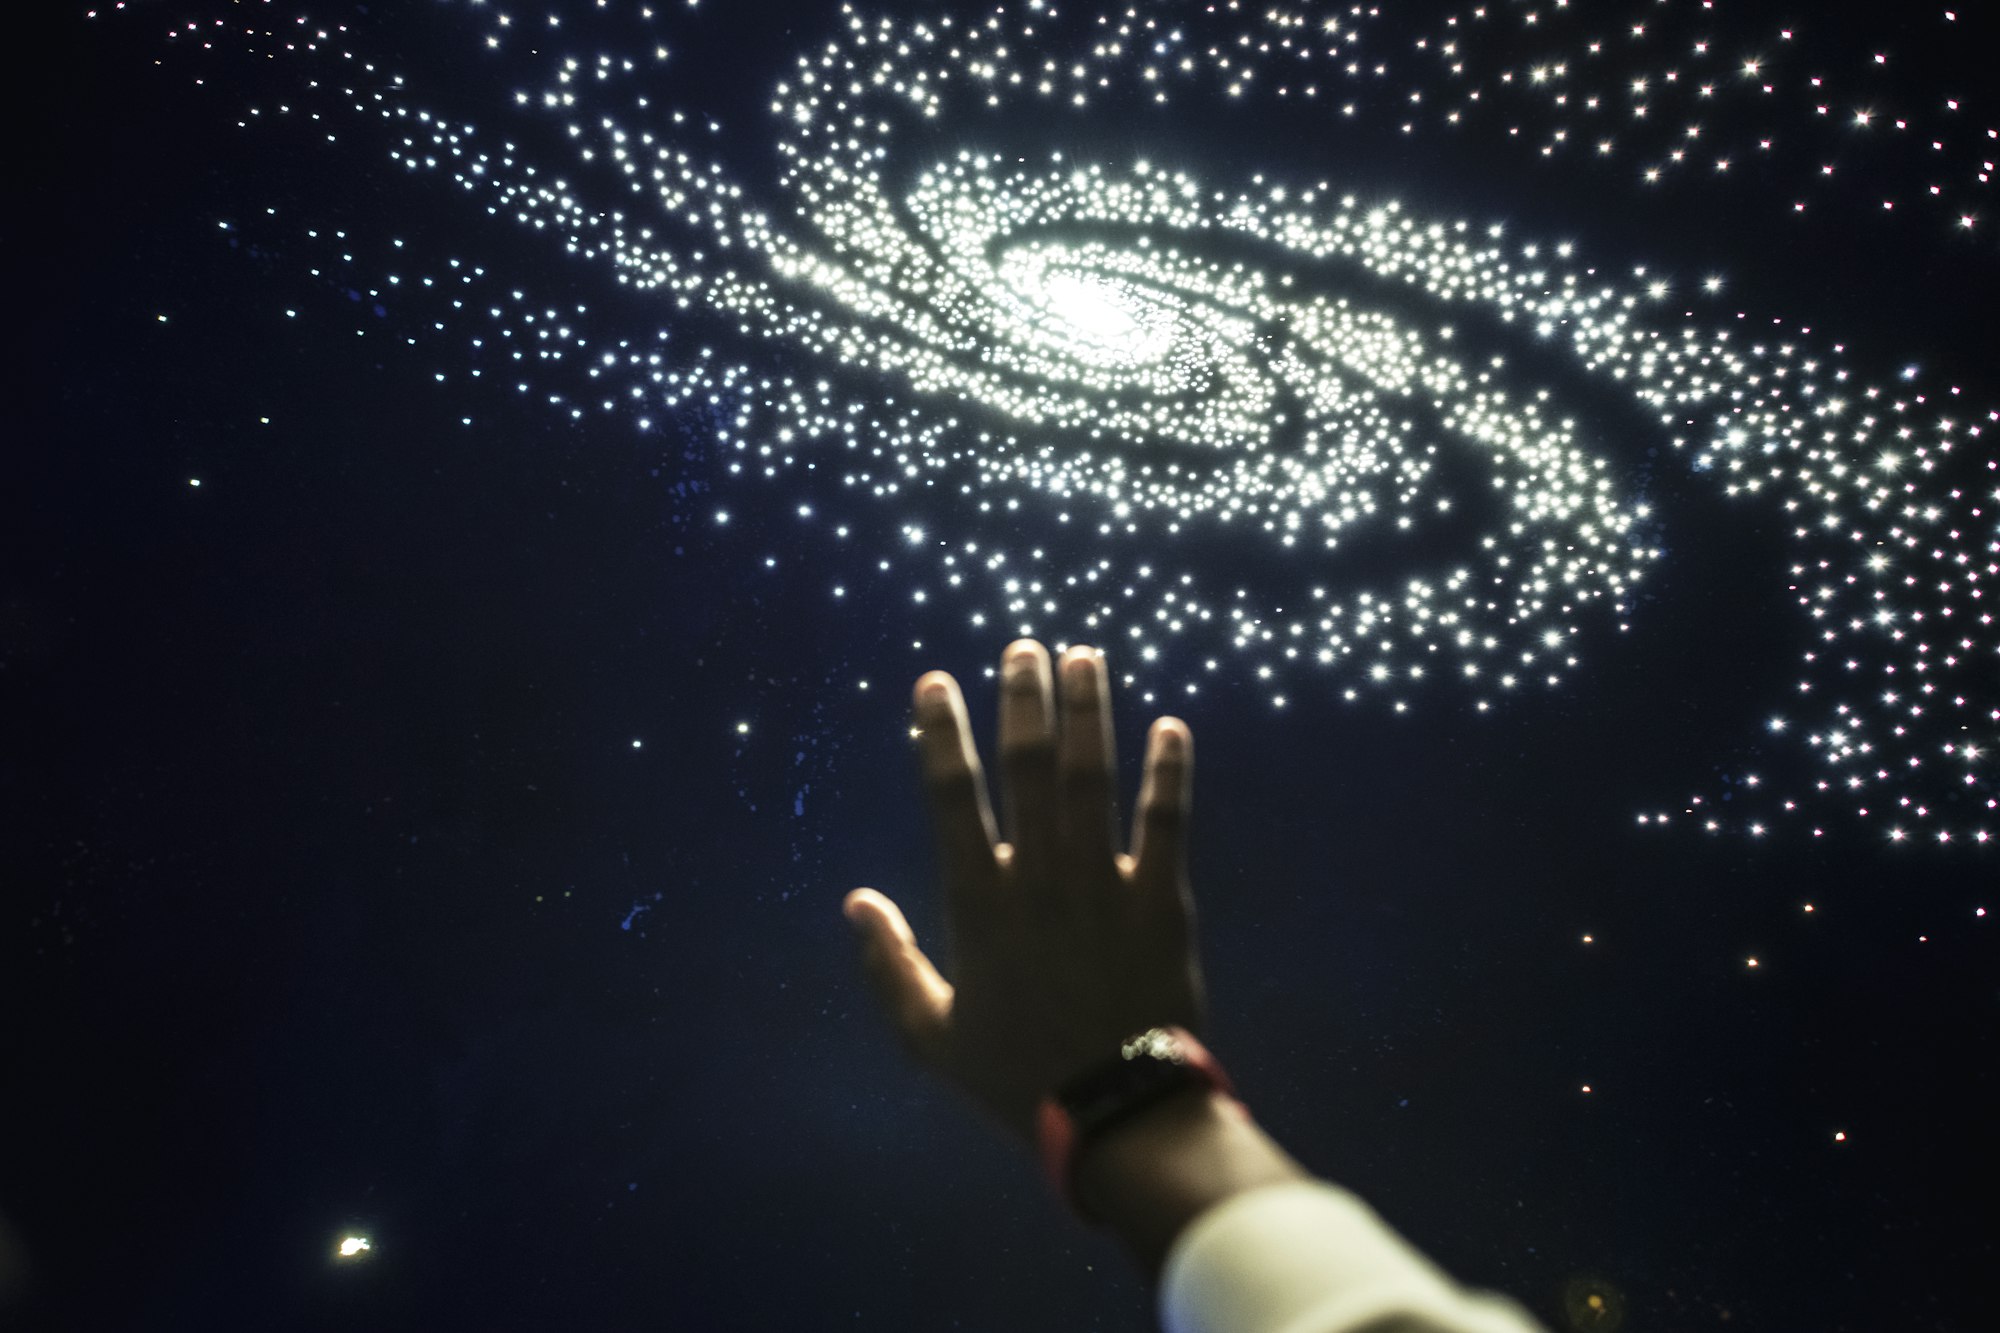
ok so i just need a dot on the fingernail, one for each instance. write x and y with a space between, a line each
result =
934 695
1082 679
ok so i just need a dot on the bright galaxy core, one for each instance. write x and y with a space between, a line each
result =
1245 430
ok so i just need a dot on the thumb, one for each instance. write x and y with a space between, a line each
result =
909 990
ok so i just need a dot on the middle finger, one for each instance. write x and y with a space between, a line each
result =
1028 757
1085 767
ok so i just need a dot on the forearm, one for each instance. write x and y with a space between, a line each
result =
1146 1179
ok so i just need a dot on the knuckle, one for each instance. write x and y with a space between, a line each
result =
1030 749
953 780
1088 779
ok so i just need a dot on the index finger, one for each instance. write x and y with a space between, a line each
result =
961 816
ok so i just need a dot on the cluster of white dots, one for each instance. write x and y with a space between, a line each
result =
1660 91
1655 89
1153 366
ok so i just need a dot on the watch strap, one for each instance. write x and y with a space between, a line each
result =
1149 1067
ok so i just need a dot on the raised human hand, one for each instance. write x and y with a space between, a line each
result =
1060 945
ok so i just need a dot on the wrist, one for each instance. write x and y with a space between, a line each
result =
1148 1177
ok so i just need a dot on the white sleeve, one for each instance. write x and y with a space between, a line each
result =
1310 1257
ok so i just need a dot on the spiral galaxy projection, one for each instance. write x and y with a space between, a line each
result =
1185 416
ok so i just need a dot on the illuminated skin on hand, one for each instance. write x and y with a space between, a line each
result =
995 341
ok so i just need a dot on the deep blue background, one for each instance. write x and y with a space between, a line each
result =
324 835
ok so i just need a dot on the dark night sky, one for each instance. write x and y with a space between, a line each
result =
340 900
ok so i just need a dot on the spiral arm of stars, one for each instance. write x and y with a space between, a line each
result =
1066 337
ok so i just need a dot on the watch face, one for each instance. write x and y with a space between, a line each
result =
1127 1086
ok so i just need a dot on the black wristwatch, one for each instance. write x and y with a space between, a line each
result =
1149 1067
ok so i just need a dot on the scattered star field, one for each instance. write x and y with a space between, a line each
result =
1249 431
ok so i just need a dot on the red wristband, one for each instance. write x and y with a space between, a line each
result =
1149 1067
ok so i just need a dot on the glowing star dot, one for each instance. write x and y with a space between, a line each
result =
1215 411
